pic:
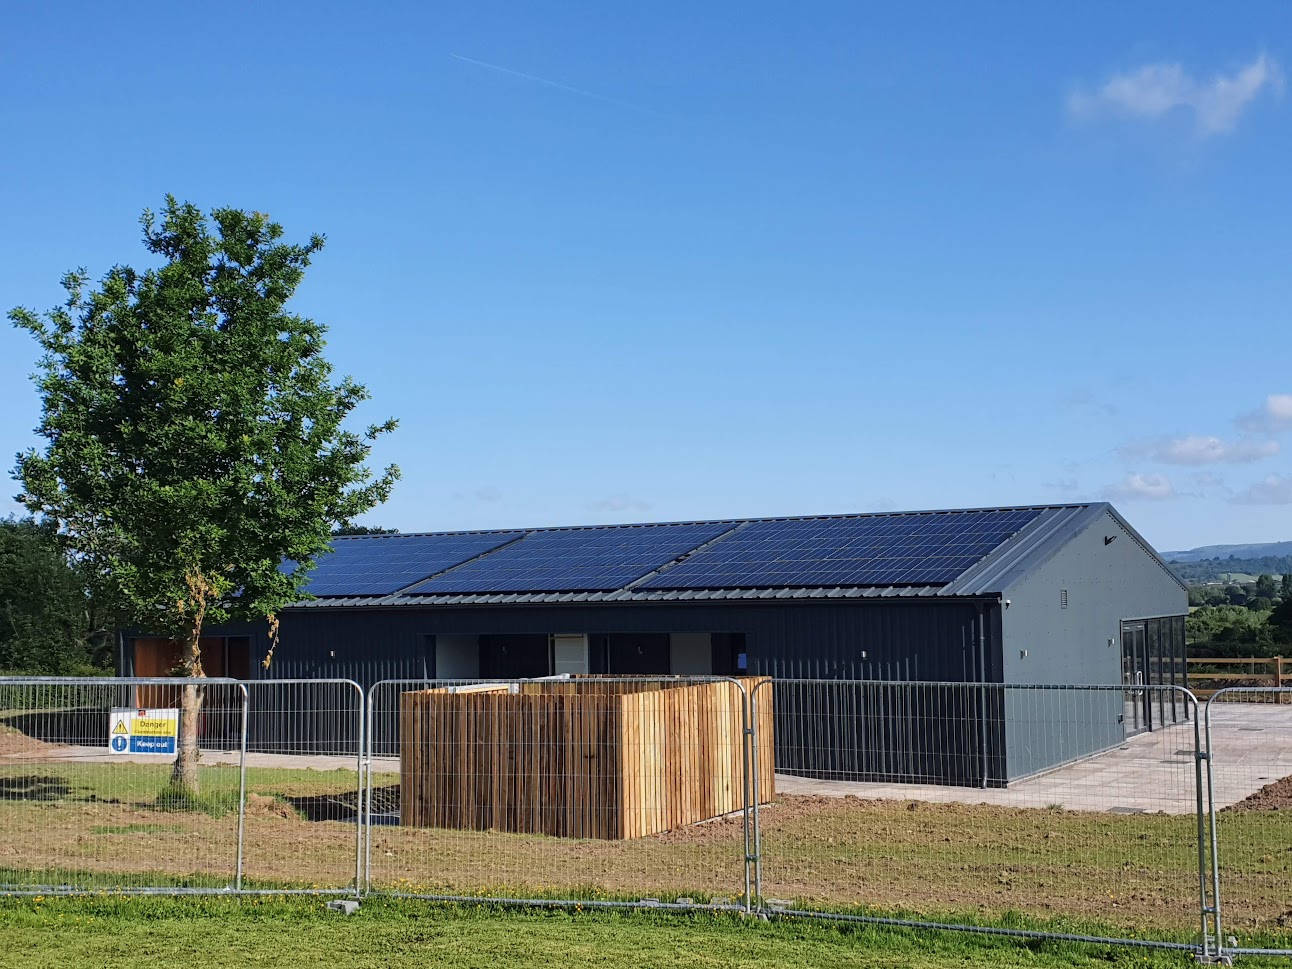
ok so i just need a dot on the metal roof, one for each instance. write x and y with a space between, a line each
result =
990 575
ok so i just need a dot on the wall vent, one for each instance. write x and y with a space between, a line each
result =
1063 598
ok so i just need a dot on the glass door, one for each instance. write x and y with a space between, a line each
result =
1154 702
1136 713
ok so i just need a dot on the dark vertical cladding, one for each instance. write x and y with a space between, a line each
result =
931 641
914 733
838 731
859 639
637 654
871 713
520 655
364 646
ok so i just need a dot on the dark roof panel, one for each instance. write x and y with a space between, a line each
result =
861 551
364 565
964 553
575 560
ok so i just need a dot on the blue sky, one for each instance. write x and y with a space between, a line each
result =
672 260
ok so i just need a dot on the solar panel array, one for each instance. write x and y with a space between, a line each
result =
880 550
385 564
575 560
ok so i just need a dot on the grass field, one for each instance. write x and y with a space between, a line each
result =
286 933
100 825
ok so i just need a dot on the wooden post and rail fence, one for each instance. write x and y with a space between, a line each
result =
1207 674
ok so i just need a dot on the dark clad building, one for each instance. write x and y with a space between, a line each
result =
1066 595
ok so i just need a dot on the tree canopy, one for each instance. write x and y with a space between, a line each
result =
49 623
195 436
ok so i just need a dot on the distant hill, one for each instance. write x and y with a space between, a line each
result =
1208 552
1237 571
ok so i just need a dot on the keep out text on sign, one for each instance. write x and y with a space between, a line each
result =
135 731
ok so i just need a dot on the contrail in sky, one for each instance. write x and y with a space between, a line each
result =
559 86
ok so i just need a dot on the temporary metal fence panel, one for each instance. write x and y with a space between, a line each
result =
303 826
1068 811
599 790
907 798
1249 746
87 801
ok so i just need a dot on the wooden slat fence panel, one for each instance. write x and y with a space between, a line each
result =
581 758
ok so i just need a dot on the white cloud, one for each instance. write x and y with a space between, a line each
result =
1274 489
1141 487
1272 416
1155 90
1200 449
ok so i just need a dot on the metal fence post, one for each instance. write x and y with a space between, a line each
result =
749 718
1206 910
242 781
365 804
1215 843
982 735
755 760
358 802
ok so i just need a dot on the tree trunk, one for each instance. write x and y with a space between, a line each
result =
184 776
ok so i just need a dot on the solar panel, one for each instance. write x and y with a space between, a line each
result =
384 564
574 560
877 550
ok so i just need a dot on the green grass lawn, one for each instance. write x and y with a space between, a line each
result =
140 783
113 931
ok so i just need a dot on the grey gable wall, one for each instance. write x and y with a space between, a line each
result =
1106 583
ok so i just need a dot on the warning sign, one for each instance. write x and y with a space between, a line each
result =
142 731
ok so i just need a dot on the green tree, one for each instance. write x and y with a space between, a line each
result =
1228 631
1285 587
364 530
194 433
47 617
1207 595
1265 587
1280 622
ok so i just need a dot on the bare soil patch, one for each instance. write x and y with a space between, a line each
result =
15 743
260 806
1131 870
1276 796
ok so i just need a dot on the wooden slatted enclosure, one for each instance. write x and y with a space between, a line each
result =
579 758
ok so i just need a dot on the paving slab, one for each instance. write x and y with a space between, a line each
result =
1151 772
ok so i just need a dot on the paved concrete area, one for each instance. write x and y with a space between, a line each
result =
1149 773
